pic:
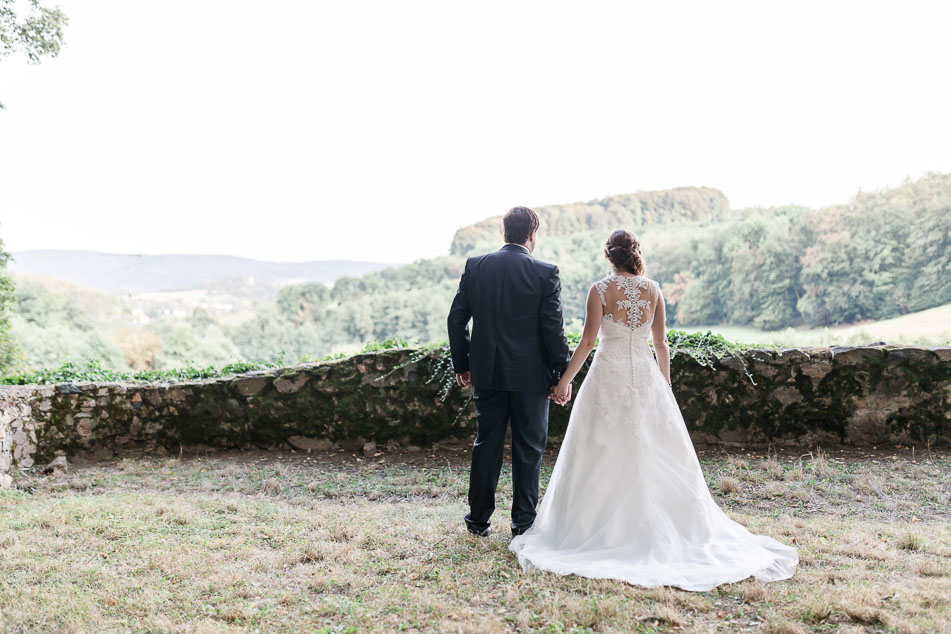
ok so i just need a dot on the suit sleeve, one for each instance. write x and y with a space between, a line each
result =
553 327
459 315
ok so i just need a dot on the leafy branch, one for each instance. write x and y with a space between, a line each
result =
36 33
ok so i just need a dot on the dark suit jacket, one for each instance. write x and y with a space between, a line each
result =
518 337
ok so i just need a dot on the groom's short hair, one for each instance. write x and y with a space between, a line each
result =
518 223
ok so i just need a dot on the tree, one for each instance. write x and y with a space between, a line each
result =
51 327
8 350
31 29
303 303
929 256
764 270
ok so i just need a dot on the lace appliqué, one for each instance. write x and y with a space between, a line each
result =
632 302
601 286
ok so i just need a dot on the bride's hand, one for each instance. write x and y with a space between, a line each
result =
561 393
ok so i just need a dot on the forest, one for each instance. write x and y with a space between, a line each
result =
881 255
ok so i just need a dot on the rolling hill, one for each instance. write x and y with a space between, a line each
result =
699 205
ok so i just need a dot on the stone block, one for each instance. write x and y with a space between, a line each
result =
857 356
177 395
911 356
251 386
290 383
791 355
84 428
816 368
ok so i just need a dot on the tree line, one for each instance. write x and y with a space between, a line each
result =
881 255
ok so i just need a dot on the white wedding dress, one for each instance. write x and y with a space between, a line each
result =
627 499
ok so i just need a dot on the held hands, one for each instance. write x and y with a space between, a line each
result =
561 393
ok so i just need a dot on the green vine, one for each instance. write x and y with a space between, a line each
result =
706 348
440 372
91 371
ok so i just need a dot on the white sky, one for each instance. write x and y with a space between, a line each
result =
372 130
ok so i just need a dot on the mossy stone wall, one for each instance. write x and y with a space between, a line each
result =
861 396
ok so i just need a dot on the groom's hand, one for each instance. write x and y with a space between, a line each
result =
463 379
561 395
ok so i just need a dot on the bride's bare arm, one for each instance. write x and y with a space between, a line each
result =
659 336
589 338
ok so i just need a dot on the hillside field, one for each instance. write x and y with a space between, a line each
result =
927 327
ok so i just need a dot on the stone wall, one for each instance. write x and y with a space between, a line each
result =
867 395
18 430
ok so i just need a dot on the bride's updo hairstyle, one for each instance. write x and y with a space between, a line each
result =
624 251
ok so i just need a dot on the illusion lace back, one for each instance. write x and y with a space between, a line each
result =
627 499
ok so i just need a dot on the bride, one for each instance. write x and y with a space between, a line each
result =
627 499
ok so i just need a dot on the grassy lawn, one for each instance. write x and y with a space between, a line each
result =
341 543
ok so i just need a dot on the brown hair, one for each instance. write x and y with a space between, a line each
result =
624 251
518 223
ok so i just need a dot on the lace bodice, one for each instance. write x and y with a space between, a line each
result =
628 304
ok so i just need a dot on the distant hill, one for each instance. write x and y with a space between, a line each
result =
640 209
804 274
122 274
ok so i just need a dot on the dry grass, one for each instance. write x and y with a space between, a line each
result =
816 609
772 468
336 543
910 541
820 465
932 568
737 462
782 626
730 485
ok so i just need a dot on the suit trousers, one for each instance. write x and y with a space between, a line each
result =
528 414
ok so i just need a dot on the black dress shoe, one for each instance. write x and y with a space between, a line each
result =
478 532
519 530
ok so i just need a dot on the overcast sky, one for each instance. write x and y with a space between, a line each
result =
372 130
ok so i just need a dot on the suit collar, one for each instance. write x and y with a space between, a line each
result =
511 246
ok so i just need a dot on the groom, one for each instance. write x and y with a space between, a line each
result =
517 353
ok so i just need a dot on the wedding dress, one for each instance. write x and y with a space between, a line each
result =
627 499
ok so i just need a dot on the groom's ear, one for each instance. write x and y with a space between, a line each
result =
530 242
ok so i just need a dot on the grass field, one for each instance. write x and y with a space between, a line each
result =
928 327
346 543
